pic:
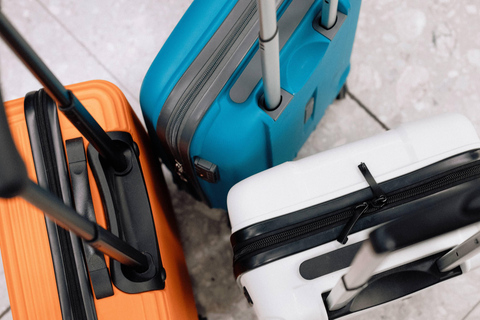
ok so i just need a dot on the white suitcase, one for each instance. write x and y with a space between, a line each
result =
286 220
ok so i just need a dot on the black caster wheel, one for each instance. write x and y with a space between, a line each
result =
343 93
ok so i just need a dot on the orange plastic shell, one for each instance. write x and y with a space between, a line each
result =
23 237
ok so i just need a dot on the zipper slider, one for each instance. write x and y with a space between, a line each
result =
359 210
378 202
180 172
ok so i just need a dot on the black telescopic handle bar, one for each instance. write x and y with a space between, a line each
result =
66 100
14 181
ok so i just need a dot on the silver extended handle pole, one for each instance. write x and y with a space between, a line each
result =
269 53
461 253
428 220
329 13
363 266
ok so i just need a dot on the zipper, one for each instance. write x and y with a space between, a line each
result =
350 215
185 102
70 269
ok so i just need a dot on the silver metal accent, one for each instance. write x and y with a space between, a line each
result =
252 73
363 266
267 12
461 253
179 170
329 13
269 52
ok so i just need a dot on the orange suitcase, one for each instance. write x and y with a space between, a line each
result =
33 279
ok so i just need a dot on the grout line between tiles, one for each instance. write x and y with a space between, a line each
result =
125 88
471 310
5 312
367 110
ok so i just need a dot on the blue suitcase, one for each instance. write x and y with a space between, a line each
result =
201 97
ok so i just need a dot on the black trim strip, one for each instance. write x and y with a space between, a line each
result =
76 299
329 262
260 243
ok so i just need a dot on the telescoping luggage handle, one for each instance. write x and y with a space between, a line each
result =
401 233
14 181
119 167
269 46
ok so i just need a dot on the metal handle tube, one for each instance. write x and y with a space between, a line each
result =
73 109
69 219
329 13
461 253
363 266
269 53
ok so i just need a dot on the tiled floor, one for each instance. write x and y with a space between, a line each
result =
411 59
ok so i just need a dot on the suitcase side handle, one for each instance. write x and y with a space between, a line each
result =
418 226
66 100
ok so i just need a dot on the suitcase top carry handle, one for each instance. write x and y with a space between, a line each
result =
417 226
14 181
67 102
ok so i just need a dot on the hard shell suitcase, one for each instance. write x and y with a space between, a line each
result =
48 274
202 96
296 227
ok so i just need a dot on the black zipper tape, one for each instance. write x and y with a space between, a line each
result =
73 302
253 248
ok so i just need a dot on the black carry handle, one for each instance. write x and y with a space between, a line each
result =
14 181
66 100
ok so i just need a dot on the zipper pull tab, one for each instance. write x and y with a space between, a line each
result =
359 210
378 202
179 171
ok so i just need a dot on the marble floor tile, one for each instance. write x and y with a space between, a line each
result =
4 301
412 59
69 60
123 36
7 316
344 121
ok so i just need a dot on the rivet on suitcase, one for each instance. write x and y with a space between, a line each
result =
113 180
297 227
202 96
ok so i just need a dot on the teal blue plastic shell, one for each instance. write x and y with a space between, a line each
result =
241 139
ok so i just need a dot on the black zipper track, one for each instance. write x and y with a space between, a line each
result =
70 269
422 189
184 103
